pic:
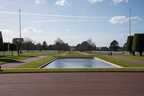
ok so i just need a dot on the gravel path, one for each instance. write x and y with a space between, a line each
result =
72 84
20 62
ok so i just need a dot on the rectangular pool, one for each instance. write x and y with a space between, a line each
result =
78 63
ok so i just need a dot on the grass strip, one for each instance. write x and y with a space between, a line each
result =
13 58
119 62
37 63
8 59
72 70
131 56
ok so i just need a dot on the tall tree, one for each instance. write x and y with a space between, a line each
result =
138 43
28 44
129 44
58 44
84 46
12 47
1 41
114 46
39 46
18 42
92 45
44 46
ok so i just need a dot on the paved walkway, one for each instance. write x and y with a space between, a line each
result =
141 62
20 62
65 53
72 84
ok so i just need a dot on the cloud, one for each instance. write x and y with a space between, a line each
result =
94 1
122 19
118 19
8 35
31 30
119 1
39 1
61 2
7 31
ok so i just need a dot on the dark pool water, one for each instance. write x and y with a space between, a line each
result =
78 63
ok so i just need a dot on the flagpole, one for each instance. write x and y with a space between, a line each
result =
130 22
20 22
19 32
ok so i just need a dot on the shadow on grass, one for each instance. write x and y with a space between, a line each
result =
13 59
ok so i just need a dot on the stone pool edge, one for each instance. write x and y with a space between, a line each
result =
109 63
117 66
42 66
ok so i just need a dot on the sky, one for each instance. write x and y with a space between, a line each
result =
74 21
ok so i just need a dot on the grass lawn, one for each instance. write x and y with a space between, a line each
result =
24 56
37 63
131 56
31 67
119 62
13 58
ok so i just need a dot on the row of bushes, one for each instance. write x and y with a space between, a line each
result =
135 43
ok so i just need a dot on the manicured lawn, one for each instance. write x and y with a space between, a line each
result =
24 56
13 58
37 63
119 62
76 54
31 67
133 57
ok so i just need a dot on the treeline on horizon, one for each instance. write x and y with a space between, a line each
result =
134 44
29 44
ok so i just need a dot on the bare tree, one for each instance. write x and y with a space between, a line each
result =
28 44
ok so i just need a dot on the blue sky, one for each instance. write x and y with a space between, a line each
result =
73 21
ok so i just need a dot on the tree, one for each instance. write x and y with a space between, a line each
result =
104 49
5 47
58 44
50 47
28 44
12 47
138 43
18 42
92 46
114 46
1 41
84 46
39 46
44 46
129 44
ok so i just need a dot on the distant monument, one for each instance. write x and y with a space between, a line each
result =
1 42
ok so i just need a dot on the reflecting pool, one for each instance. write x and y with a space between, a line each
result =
78 63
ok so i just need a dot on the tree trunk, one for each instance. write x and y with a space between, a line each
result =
133 52
140 53
12 53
